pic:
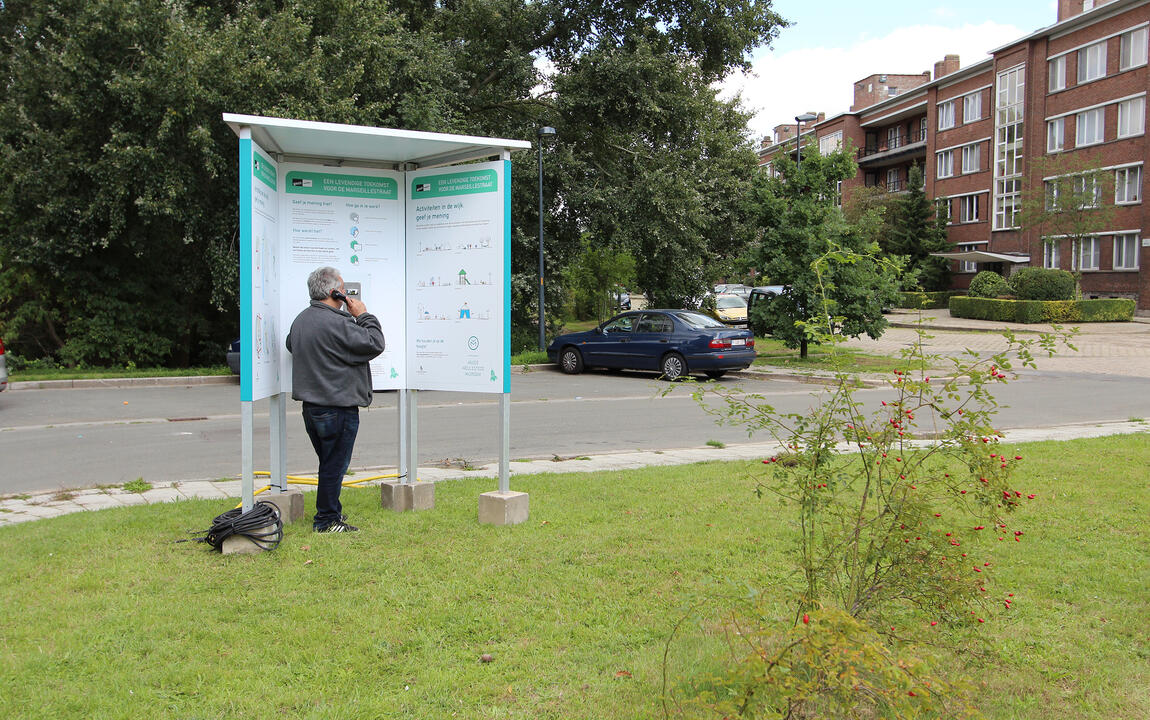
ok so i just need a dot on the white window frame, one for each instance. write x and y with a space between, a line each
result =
1133 49
944 163
946 115
1009 105
830 143
1132 117
1085 254
1092 62
967 266
1087 5
1126 249
972 107
893 137
1051 254
971 158
968 209
1056 78
1090 127
1083 184
893 179
1128 185
1056 135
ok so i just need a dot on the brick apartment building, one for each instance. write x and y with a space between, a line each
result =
1073 91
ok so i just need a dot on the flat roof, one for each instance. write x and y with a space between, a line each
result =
362 145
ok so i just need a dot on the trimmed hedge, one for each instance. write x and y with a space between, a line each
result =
1035 283
927 300
1043 311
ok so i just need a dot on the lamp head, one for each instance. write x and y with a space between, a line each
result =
546 131
806 117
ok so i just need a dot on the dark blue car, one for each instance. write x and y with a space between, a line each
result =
675 343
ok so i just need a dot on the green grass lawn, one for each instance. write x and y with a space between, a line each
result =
108 617
102 373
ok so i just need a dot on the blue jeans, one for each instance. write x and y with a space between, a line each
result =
332 431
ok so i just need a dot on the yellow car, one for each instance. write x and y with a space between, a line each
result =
731 309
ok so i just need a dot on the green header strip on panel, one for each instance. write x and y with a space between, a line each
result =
363 186
263 169
458 183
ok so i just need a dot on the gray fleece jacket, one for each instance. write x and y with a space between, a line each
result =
330 352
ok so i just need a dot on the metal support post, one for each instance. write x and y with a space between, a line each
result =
277 416
403 463
247 480
505 442
412 436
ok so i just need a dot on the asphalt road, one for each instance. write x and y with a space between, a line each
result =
52 439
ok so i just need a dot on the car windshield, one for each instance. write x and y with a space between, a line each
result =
699 320
727 302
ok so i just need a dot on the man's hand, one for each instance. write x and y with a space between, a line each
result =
355 306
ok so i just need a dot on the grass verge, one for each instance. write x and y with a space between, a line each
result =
111 618
105 373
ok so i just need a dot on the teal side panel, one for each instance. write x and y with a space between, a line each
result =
247 340
507 276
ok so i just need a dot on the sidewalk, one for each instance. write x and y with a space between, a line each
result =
25 508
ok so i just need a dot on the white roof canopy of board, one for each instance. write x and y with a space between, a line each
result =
362 146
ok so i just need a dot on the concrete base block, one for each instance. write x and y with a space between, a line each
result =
401 497
289 502
240 545
503 508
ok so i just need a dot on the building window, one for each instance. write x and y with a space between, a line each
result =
970 158
893 138
1128 185
1087 5
1132 117
972 107
1133 51
1055 135
922 129
945 163
1092 62
1087 190
892 91
1057 71
968 209
1089 127
1050 256
1085 254
1126 251
967 266
946 115
1009 106
893 184
830 143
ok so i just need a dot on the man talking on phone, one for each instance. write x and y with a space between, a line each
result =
331 348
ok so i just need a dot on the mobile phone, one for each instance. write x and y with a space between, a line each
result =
337 295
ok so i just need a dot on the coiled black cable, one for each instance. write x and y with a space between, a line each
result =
251 525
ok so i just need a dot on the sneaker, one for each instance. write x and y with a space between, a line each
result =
339 526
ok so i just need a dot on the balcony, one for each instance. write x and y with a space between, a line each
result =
893 149
891 186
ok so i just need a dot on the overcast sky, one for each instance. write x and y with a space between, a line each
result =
833 43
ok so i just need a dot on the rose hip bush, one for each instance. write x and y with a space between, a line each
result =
895 502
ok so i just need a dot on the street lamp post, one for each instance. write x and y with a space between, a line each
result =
544 133
799 120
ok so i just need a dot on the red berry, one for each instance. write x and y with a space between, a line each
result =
806 619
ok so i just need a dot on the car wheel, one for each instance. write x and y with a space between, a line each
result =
674 366
716 374
571 361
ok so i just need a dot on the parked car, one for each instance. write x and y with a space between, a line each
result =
742 291
3 368
676 343
622 298
762 295
731 309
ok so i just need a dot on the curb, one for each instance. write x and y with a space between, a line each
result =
125 382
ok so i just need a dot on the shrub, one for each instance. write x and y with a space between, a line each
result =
988 284
1035 283
927 300
1043 311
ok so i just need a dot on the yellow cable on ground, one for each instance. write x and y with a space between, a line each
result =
296 480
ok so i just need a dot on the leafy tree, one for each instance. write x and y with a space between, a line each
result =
1070 206
831 266
596 272
914 233
118 178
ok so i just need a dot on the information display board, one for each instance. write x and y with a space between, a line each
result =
260 329
351 219
458 283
